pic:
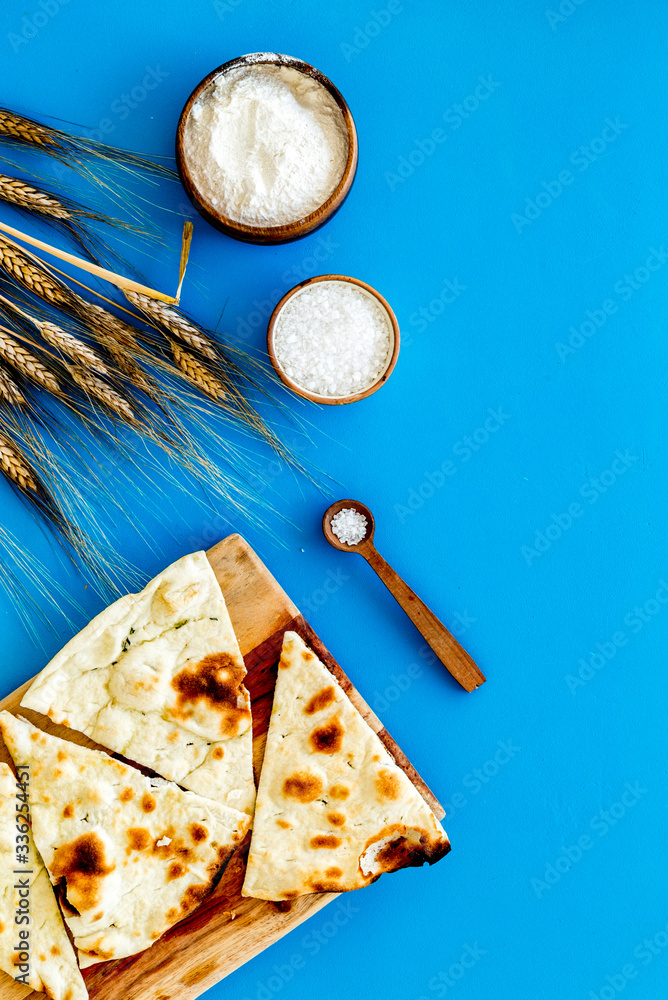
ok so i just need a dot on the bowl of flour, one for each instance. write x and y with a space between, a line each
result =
266 148
333 339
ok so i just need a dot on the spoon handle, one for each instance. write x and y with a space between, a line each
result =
446 647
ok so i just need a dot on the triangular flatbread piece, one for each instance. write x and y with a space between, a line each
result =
29 914
158 677
131 855
334 811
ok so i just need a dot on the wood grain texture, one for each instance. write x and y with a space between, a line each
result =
227 930
451 653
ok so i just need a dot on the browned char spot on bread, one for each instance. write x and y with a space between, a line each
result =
406 848
82 864
339 792
193 896
217 680
387 785
303 786
138 838
321 700
328 738
325 840
323 885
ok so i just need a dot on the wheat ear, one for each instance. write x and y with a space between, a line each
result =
72 347
72 149
69 345
17 468
33 278
9 391
197 373
20 473
120 341
98 390
23 195
106 327
173 322
25 130
25 362
118 337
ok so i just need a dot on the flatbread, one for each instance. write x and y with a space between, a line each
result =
29 914
131 855
334 811
158 677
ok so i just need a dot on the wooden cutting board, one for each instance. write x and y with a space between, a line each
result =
227 930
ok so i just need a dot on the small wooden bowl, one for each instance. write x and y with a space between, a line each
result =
268 234
314 396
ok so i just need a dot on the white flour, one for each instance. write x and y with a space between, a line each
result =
266 145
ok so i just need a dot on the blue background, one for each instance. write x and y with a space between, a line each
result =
467 542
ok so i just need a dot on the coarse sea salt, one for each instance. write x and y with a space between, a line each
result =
349 526
333 338
266 145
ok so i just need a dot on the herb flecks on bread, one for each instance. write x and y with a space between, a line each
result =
130 855
159 677
334 811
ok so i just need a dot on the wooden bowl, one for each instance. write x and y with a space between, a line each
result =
314 396
268 234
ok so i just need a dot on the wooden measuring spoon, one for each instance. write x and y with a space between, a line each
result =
446 647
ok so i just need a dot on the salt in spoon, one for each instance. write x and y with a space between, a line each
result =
446 647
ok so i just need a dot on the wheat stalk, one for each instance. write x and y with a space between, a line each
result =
106 327
25 130
114 334
77 350
65 215
25 362
70 148
197 373
174 322
96 389
120 341
20 472
23 195
9 391
71 346
17 468
33 278
118 337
